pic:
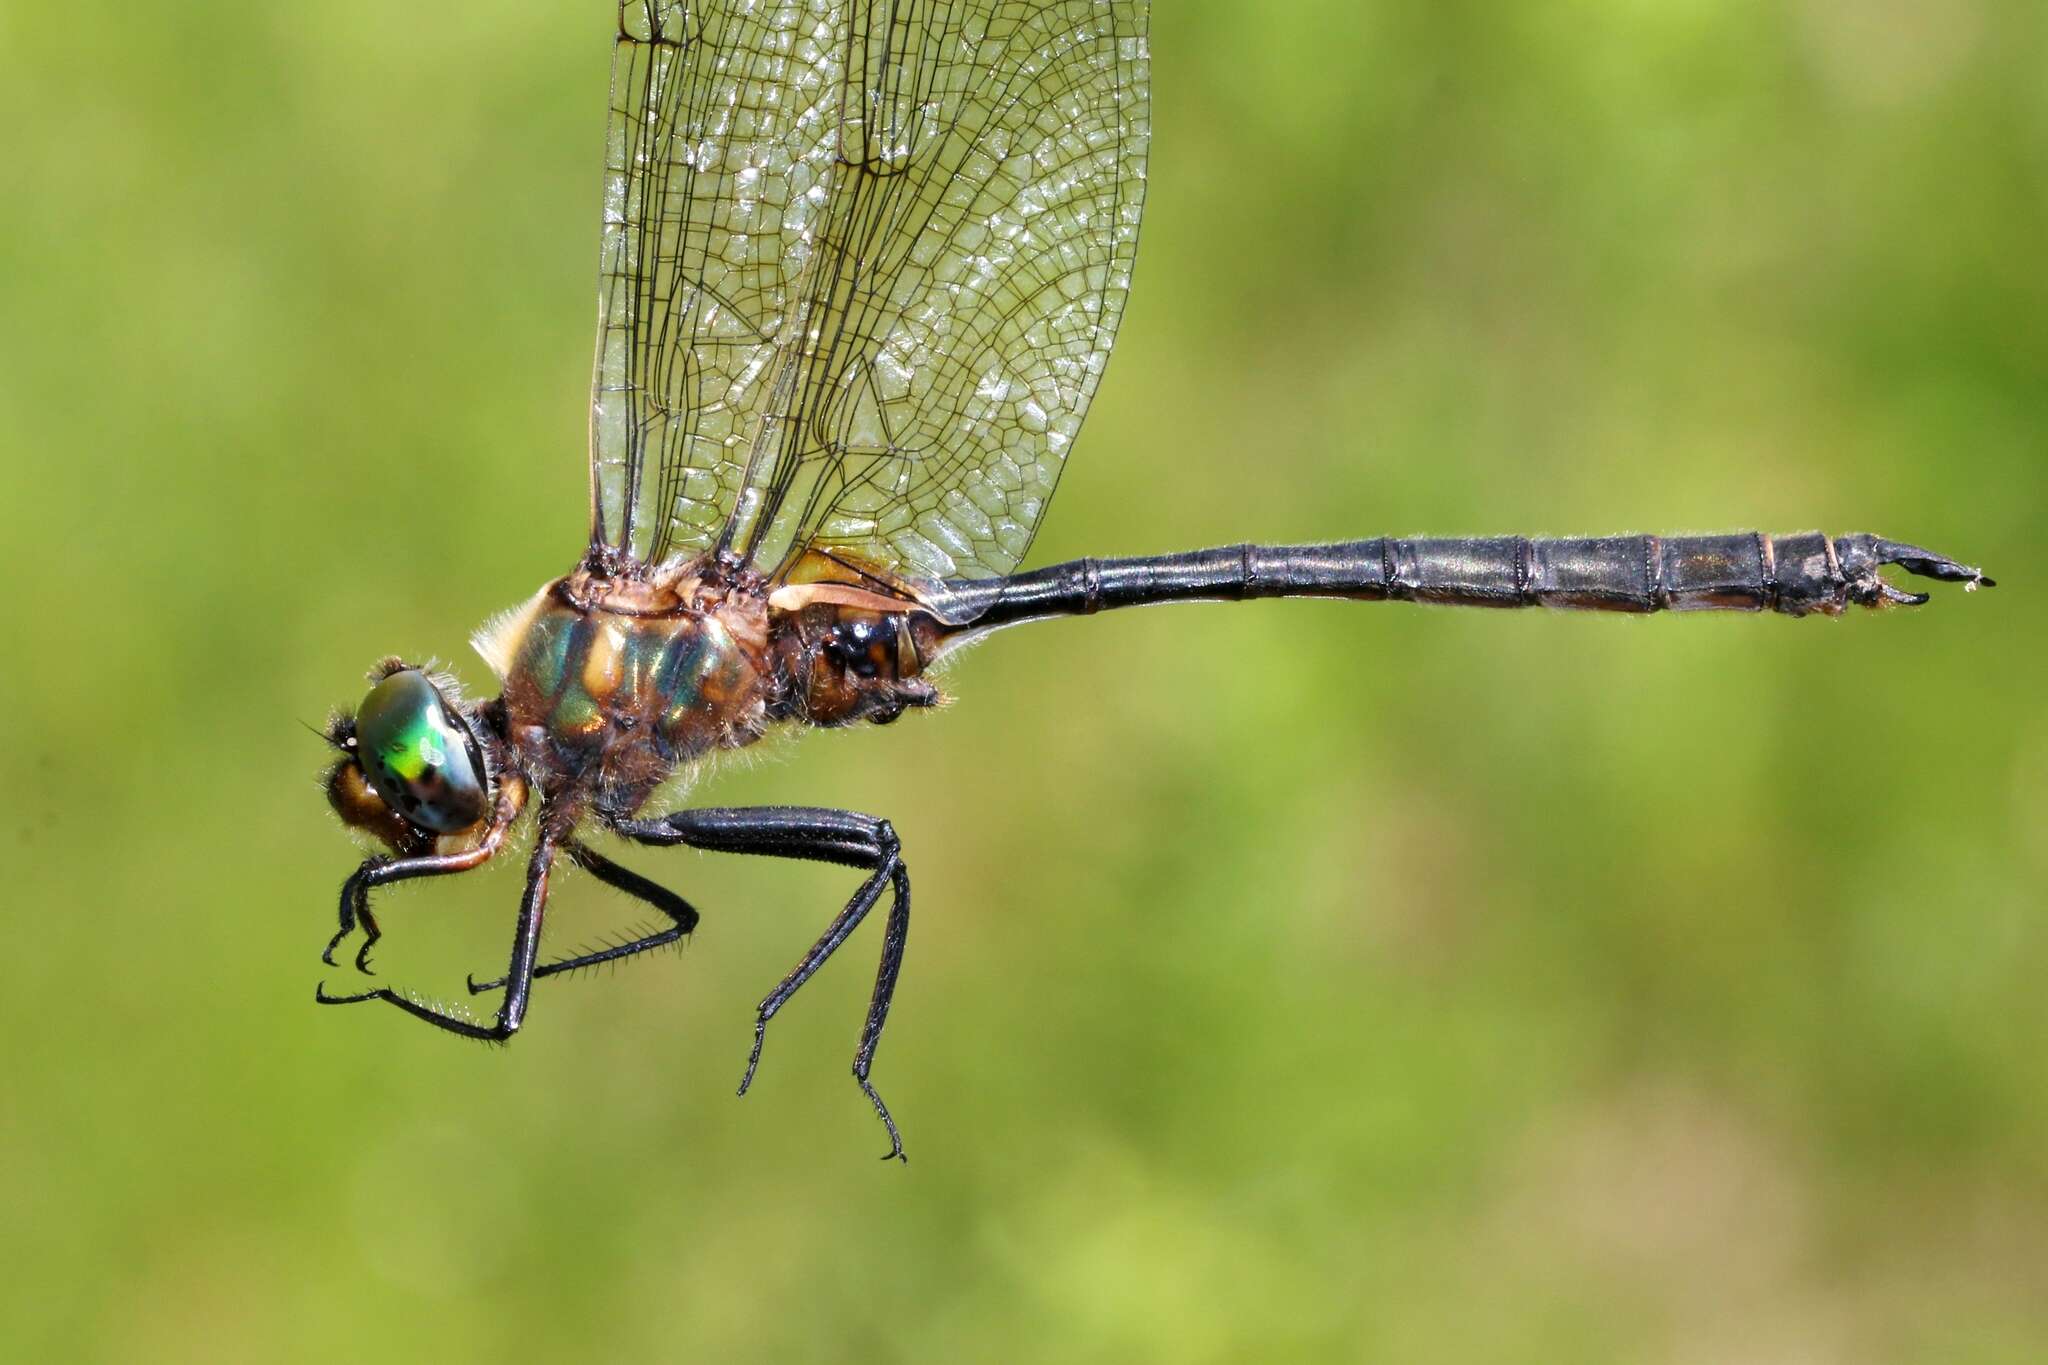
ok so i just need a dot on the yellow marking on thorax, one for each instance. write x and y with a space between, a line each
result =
797 596
604 665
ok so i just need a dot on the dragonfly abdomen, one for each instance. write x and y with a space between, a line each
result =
1796 575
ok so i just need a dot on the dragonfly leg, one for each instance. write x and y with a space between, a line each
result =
383 871
355 909
519 977
843 837
682 915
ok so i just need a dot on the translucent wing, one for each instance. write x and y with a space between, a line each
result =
862 267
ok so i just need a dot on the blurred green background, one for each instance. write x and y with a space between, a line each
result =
1301 981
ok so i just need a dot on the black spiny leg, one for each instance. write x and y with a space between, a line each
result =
682 914
381 871
525 948
831 836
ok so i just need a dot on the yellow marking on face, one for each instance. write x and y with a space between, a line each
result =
604 664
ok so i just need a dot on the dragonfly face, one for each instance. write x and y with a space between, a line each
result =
861 268
420 755
414 763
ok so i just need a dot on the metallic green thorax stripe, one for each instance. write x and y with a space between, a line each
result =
640 662
575 713
545 655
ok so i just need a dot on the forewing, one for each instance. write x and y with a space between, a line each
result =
863 265
690 280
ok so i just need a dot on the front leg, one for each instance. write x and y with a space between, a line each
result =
383 871
518 977
820 835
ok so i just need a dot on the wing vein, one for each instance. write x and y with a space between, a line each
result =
862 268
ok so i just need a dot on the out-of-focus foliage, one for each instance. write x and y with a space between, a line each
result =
1298 981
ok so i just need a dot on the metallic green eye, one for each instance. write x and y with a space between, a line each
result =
418 756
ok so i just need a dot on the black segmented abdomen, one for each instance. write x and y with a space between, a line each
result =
1795 574
1749 572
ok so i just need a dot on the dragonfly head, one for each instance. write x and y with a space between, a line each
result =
414 762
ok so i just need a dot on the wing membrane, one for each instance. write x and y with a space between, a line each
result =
861 270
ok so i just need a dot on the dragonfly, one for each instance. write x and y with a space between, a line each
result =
861 268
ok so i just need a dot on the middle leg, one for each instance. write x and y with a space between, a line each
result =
682 916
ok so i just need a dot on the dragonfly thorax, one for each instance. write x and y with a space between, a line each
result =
611 684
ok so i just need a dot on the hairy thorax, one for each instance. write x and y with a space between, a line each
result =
611 684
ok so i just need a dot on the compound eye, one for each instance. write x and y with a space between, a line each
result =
419 756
